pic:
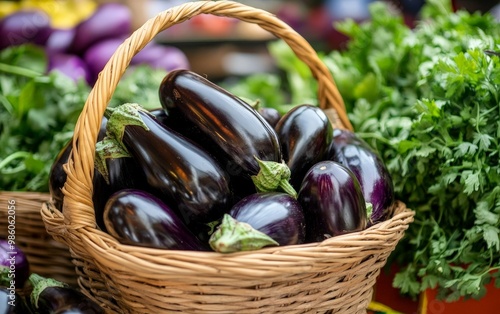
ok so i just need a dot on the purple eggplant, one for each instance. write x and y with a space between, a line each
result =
305 134
332 200
226 126
376 182
59 40
139 218
110 20
70 65
14 265
276 214
50 296
183 174
271 115
24 26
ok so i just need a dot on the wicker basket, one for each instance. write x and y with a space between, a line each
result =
46 256
336 275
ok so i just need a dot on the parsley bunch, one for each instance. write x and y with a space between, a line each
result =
428 100
37 116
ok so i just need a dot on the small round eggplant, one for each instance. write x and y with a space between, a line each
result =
14 265
305 134
332 201
50 296
24 26
276 214
182 174
375 180
139 218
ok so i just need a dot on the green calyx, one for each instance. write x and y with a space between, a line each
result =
235 236
121 116
39 284
273 176
108 148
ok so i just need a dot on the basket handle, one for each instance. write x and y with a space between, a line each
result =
78 207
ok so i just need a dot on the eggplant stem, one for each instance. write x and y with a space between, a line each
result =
235 236
39 284
273 175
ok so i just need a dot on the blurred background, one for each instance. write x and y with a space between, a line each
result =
222 47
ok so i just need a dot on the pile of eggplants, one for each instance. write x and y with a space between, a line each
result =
25 292
208 171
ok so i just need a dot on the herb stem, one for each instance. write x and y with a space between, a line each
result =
12 157
11 69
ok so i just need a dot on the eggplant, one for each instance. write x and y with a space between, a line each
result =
110 20
276 214
139 218
226 126
24 26
12 302
332 200
351 151
50 296
305 134
59 40
14 265
182 173
70 65
163 57
271 115
97 55
114 171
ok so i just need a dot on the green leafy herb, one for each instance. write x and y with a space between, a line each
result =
37 116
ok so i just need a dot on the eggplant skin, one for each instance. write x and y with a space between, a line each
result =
305 134
139 218
233 131
65 300
376 183
180 172
276 214
332 201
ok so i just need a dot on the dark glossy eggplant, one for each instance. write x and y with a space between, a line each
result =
232 130
271 115
305 134
184 175
160 115
139 218
12 302
14 265
351 151
112 174
278 215
50 296
332 201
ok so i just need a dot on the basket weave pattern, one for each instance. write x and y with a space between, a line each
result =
336 275
46 256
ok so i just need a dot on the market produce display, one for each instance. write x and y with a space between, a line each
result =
426 99
209 172
81 50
